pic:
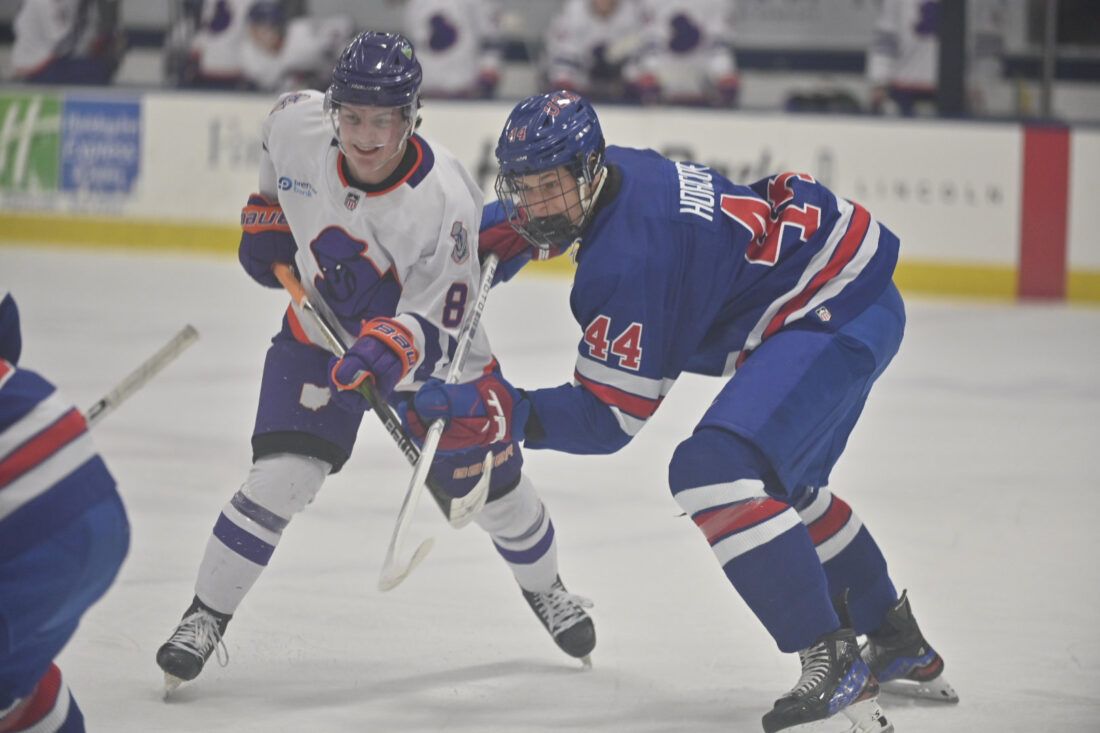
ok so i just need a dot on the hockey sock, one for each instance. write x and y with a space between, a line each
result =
719 480
251 525
50 708
523 534
850 556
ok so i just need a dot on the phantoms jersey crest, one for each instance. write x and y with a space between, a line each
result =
408 252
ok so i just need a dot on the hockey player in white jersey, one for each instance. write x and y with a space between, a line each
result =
280 54
67 42
687 54
903 61
458 42
381 226
592 47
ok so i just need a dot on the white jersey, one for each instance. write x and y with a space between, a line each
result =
309 51
905 50
408 252
219 38
688 45
456 42
48 29
580 43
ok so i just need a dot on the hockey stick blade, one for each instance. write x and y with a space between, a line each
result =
141 376
392 572
393 578
465 508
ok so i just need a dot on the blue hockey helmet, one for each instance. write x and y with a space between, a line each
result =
376 70
558 131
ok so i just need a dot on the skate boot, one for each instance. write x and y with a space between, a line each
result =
903 661
563 615
198 636
835 679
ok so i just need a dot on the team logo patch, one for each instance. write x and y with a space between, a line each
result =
823 314
351 201
462 245
287 101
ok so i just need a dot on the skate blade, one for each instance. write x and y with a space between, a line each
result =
938 689
867 717
171 684
586 661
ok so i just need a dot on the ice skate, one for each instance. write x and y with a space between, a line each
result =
563 615
198 636
835 679
902 659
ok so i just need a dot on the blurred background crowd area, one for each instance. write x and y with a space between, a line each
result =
956 58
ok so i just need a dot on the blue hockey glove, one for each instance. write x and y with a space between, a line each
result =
265 240
480 413
383 354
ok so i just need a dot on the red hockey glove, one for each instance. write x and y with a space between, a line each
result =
480 413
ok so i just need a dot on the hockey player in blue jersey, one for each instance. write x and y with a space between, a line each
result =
783 289
63 536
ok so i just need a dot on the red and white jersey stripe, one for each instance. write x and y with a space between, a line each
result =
40 448
737 516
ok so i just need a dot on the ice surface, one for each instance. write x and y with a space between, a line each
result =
976 467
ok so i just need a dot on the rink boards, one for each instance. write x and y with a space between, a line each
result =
988 209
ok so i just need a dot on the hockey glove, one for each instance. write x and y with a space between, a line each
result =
265 240
480 413
383 354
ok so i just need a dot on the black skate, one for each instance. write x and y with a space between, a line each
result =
835 679
903 660
563 615
198 635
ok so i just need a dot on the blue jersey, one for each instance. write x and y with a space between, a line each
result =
683 270
50 473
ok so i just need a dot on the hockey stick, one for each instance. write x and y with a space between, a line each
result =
140 376
458 511
393 571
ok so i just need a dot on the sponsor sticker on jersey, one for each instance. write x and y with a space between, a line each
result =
291 185
462 245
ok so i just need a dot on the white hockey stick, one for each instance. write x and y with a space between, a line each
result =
394 571
140 376
459 511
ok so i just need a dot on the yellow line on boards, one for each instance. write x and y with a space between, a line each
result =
912 276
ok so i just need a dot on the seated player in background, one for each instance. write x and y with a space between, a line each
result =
281 55
687 54
67 42
381 226
63 536
781 288
592 48
458 43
